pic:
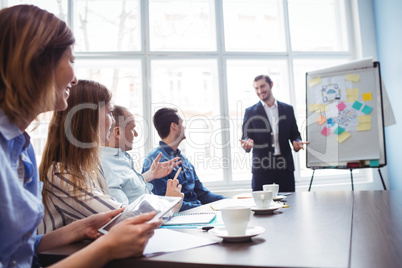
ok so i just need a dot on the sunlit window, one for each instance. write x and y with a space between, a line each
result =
182 25
107 25
254 25
201 56
318 25
57 7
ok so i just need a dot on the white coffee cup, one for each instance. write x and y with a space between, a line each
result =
274 188
236 219
262 199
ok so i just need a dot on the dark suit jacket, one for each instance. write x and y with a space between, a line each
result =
257 127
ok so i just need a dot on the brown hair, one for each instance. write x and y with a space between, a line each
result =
263 76
73 137
163 118
32 43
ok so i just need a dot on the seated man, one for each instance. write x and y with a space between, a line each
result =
125 183
170 129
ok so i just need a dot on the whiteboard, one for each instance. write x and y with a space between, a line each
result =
345 121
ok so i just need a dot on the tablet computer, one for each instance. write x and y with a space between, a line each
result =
144 204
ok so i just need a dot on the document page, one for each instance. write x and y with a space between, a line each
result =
165 240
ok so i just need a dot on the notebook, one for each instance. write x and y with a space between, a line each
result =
193 218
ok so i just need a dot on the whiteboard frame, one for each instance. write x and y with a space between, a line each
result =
351 66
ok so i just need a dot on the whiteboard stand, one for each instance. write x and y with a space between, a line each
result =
382 180
351 179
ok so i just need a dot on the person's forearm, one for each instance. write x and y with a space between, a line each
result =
96 254
148 176
62 236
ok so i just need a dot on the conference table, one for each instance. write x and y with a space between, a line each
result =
318 229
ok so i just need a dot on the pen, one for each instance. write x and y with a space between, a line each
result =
177 173
205 228
213 208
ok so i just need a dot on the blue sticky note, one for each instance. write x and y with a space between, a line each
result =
357 105
374 163
339 130
329 121
367 109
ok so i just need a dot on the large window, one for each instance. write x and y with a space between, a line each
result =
201 56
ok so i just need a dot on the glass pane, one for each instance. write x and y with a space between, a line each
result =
318 25
107 25
191 86
241 95
301 66
57 7
182 25
255 25
124 79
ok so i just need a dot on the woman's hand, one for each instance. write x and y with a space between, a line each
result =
129 237
94 222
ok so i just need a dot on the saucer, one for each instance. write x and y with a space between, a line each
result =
279 198
272 208
223 233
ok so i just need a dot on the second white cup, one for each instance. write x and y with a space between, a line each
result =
274 188
262 199
236 219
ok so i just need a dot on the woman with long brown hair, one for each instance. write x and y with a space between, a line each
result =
36 75
74 187
74 182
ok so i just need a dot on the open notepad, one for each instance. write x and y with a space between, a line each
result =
193 218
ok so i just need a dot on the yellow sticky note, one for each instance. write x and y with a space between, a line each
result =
367 96
352 94
352 91
364 118
353 77
321 120
363 127
351 98
343 137
312 107
322 108
314 82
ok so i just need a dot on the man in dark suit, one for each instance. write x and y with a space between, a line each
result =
268 126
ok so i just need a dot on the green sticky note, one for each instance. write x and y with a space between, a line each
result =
339 130
374 163
367 109
357 105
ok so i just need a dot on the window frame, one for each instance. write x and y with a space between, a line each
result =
145 55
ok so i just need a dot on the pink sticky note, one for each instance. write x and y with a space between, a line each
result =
326 131
341 106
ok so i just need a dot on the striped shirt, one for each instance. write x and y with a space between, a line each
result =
64 206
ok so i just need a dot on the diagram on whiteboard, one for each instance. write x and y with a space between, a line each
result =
343 108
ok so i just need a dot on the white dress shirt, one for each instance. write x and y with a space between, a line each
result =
273 117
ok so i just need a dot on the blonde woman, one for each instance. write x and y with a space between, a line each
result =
36 75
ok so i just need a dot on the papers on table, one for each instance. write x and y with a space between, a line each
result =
165 240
